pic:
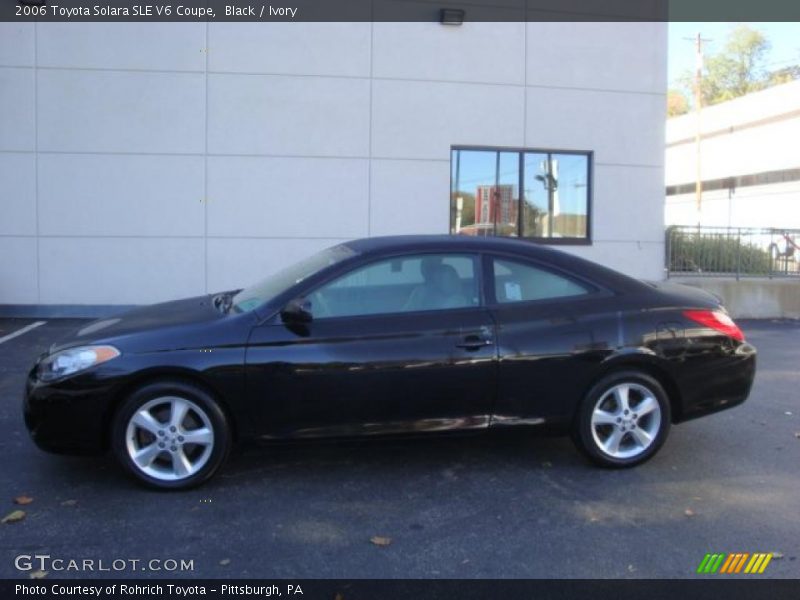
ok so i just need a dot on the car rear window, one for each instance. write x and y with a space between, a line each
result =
520 282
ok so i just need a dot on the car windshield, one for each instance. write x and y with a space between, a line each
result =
274 285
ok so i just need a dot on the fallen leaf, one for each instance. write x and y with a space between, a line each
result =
225 561
69 503
689 512
23 500
788 413
380 540
338 596
37 574
547 464
777 555
631 568
14 516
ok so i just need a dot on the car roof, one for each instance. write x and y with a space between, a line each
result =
411 242
504 245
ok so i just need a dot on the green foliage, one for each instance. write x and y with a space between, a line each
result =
716 253
784 75
468 207
677 103
740 68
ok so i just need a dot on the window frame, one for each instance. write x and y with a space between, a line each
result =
595 289
478 268
521 151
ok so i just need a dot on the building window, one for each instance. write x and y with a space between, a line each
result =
553 206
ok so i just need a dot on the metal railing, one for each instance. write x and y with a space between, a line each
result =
695 251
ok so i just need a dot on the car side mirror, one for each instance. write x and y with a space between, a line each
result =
297 311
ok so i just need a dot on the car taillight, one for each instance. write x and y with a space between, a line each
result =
716 320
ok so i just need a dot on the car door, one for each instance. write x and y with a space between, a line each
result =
547 343
399 344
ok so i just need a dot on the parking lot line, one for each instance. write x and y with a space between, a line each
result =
19 332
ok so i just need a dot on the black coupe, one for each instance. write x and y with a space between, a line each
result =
393 335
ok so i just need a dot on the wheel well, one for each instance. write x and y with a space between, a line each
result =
656 372
147 378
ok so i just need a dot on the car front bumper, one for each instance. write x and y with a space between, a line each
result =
68 416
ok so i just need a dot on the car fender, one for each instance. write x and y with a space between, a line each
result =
649 361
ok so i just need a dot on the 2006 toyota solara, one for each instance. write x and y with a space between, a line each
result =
394 335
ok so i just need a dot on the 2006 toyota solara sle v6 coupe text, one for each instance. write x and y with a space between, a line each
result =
395 335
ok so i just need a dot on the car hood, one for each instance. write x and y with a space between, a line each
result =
166 317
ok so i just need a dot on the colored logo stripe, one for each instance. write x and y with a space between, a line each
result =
710 563
734 563
758 563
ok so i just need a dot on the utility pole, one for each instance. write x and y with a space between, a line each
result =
698 106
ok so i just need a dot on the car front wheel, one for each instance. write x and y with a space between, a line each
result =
171 435
623 420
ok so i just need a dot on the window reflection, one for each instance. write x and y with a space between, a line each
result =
474 181
539 189
485 194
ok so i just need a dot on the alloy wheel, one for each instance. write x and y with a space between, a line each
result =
169 438
626 420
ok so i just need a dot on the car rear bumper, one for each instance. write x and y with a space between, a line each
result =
715 382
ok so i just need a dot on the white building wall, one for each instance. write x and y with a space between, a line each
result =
776 205
143 162
756 133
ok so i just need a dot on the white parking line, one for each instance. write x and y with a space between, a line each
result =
25 329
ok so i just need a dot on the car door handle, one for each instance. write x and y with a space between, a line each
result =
473 342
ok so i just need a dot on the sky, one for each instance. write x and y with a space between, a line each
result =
785 39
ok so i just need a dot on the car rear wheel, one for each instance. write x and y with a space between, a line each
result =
623 420
171 435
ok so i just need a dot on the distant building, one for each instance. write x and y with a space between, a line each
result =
495 212
749 162
496 204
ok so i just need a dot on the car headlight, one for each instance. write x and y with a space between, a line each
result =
73 360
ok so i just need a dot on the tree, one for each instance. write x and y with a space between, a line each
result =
677 104
467 207
784 75
739 69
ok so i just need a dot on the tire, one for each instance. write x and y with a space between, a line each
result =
178 431
611 437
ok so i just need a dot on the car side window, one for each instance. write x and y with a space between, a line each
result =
400 284
519 282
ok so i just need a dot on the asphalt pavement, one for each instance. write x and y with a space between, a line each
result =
509 506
